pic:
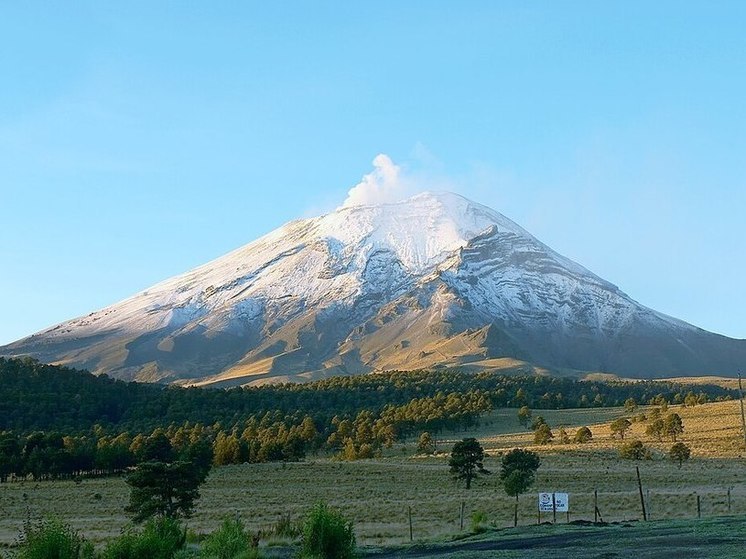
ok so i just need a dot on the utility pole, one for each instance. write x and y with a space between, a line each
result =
740 399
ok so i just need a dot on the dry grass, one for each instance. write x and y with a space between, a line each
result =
725 382
377 493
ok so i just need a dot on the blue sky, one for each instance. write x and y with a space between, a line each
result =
138 140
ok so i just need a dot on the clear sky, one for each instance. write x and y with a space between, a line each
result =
140 139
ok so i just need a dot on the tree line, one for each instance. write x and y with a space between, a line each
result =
39 397
266 438
60 422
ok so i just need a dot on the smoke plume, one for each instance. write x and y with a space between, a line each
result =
387 183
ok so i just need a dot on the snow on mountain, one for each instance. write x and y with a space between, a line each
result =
430 281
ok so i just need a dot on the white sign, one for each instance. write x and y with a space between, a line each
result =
558 502
545 502
561 502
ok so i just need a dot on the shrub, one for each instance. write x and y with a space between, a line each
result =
161 538
634 450
51 539
327 535
583 435
230 541
478 521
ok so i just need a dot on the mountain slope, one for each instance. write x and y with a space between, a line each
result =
434 280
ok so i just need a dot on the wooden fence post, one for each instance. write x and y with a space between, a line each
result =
463 504
595 506
642 499
410 523
554 510
699 509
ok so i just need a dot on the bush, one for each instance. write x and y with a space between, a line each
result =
327 535
51 539
583 435
230 541
478 521
161 538
634 450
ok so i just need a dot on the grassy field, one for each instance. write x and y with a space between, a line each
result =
376 494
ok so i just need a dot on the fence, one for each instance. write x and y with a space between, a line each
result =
612 506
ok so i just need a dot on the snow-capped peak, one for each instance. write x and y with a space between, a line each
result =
422 230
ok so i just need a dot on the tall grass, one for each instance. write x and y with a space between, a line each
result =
230 541
51 539
161 538
327 535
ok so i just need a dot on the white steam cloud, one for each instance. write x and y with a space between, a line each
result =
387 183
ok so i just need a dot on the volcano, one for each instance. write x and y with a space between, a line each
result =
433 281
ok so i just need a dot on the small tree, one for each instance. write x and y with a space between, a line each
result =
426 444
537 422
655 429
679 453
564 438
630 405
467 460
517 474
543 434
673 426
524 416
583 435
620 426
164 489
